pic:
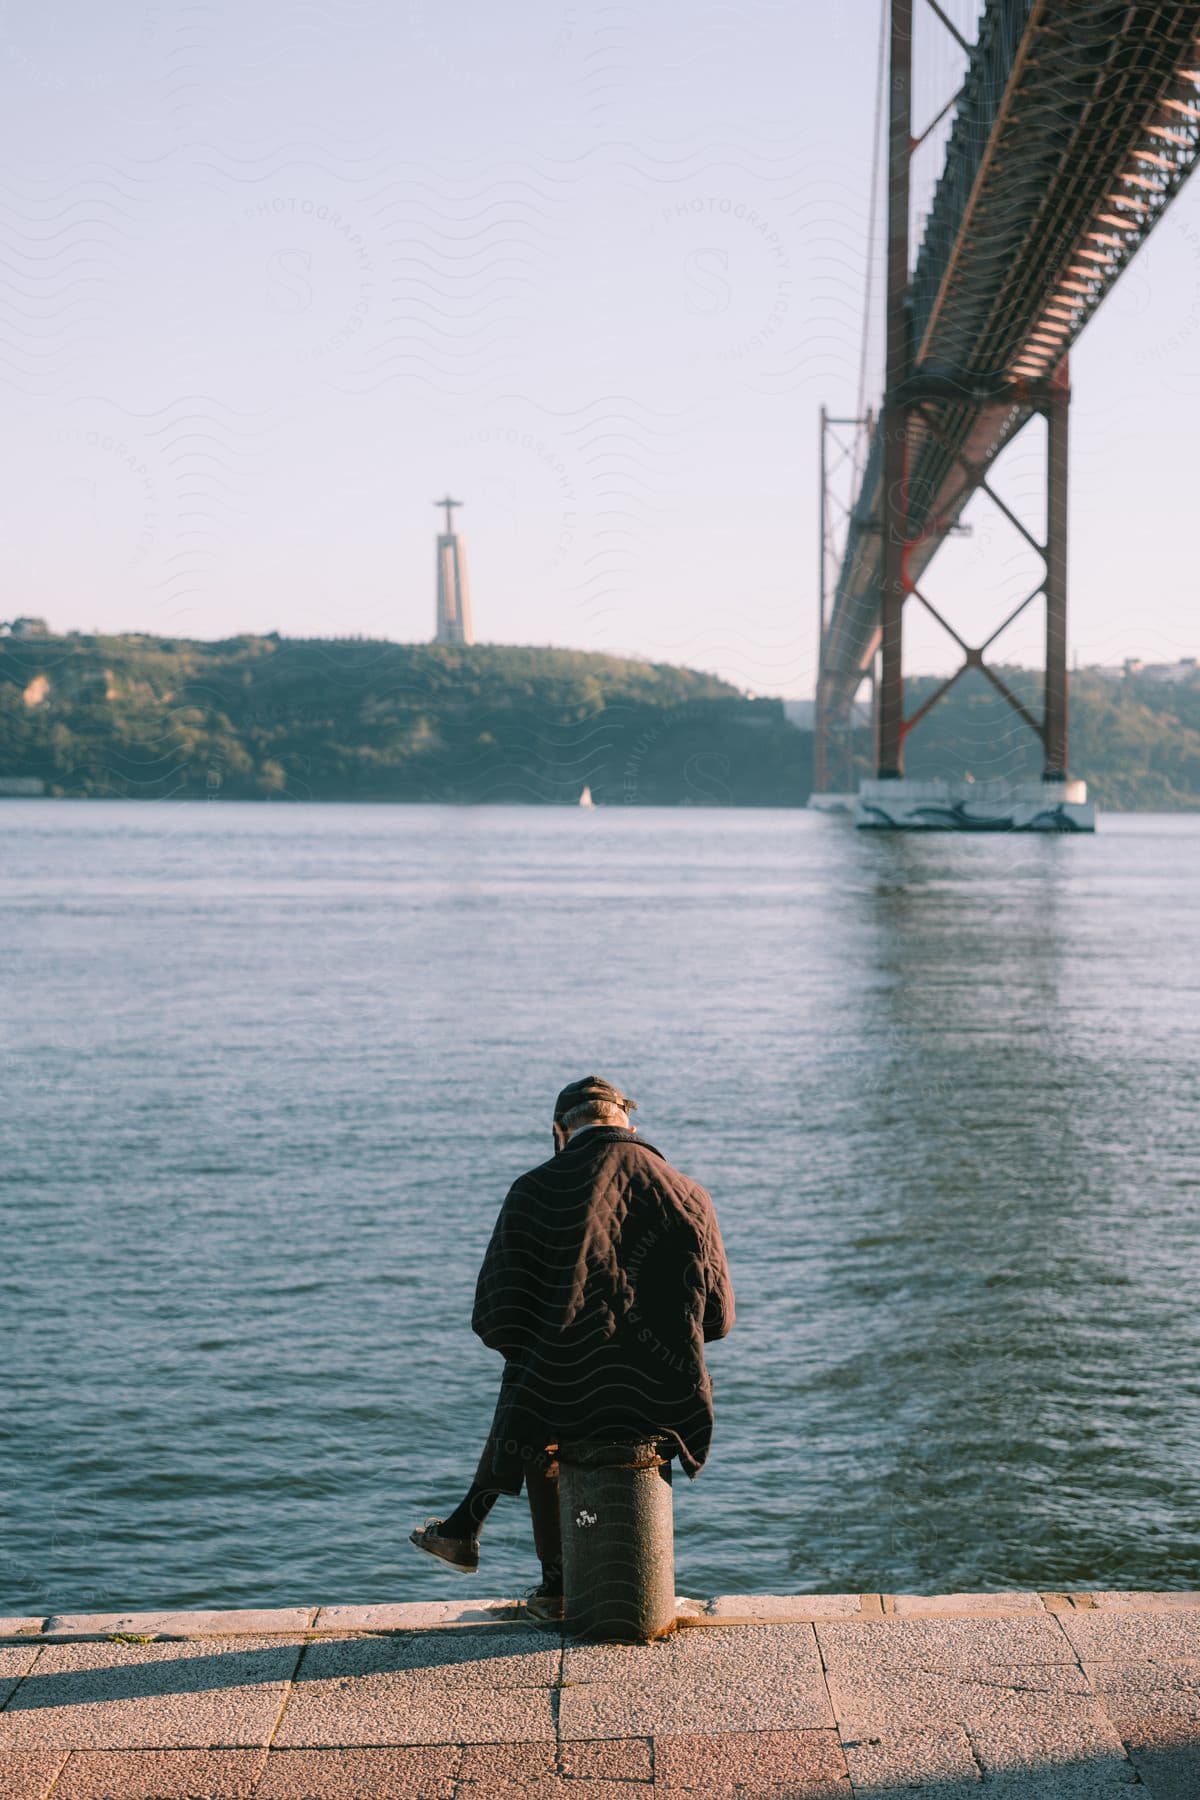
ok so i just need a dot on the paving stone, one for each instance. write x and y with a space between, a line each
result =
806 1765
482 1763
974 1606
1136 1689
398 1710
159 1774
417 1615
23 1625
965 1642
611 1759
504 1656
16 1660
497 1771
90 1696
234 1622
738 1678
391 1772
437 1687
1131 1601
1119 1636
404 1615
29 1774
927 1675
887 1764
924 1700
1026 1731
785 1607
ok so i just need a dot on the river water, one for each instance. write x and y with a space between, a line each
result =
269 1070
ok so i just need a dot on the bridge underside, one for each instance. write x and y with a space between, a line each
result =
1076 126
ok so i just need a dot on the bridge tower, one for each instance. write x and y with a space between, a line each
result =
1074 128
454 623
834 728
902 398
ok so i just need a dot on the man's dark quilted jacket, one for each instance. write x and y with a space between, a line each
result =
604 1278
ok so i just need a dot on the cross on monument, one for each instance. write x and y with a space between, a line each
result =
448 503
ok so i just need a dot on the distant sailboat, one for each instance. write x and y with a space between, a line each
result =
585 799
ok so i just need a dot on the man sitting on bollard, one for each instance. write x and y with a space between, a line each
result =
604 1278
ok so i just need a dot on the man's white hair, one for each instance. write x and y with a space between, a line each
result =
594 1112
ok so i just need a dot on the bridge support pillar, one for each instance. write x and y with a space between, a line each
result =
889 704
1054 724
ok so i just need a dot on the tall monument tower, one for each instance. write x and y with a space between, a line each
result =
454 624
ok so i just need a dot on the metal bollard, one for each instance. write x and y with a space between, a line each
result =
618 1539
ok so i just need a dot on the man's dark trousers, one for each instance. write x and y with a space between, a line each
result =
540 1474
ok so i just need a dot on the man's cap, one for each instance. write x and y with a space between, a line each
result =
591 1088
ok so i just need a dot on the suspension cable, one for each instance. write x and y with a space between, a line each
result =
872 209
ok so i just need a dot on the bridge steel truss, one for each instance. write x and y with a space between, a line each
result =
1076 125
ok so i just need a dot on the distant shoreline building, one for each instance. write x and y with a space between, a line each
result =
24 628
1176 674
454 622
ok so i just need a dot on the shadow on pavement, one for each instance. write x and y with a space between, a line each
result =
137 1672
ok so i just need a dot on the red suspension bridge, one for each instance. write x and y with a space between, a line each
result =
1076 125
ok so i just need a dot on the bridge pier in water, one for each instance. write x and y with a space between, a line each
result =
1055 803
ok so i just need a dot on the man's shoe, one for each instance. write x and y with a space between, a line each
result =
460 1553
545 1601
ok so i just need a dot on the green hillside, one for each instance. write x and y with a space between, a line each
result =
307 719
276 718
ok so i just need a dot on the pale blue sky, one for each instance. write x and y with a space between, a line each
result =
273 277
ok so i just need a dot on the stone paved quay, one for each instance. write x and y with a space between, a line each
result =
809 1697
